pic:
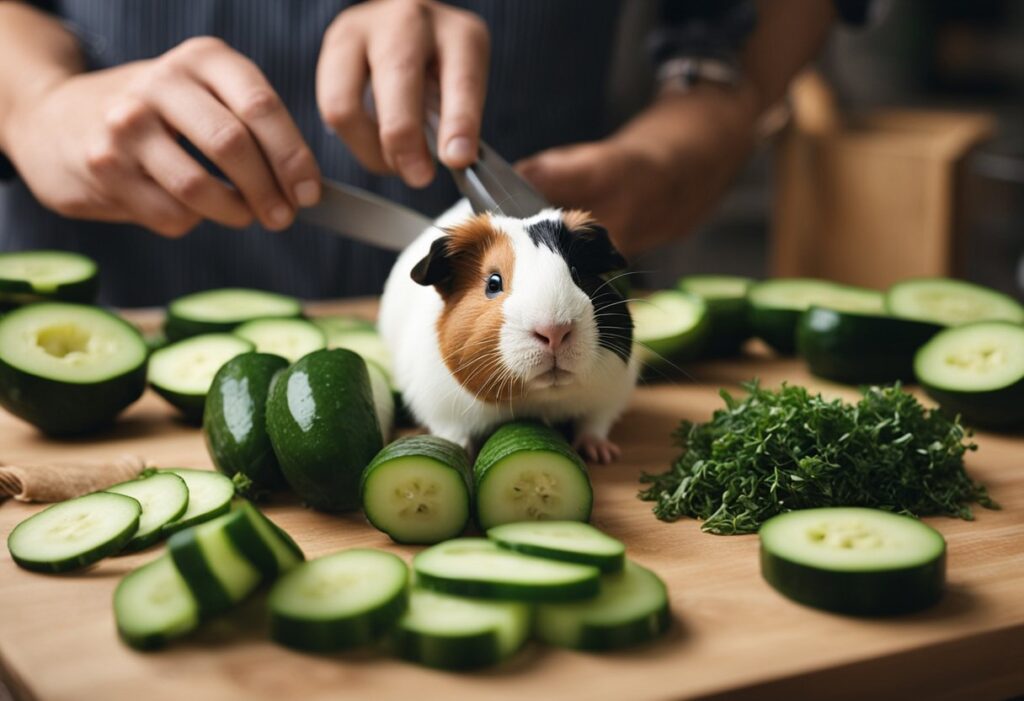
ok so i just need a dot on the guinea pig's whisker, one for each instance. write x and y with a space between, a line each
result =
623 274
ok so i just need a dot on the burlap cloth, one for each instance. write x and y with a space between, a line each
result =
58 481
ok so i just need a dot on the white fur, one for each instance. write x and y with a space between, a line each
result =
542 292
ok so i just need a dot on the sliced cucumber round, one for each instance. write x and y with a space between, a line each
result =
950 302
263 543
183 372
976 370
343 600
76 533
163 497
669 325
153 606
288 338
209 496
631 608
416 490
854 560
482 568
218 311
69 368
727 308
452 632
528 472
569 541
33 276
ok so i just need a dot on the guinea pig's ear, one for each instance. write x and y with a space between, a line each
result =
592 248
435 268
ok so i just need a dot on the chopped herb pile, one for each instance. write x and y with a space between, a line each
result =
776 451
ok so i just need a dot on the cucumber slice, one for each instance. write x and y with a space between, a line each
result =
74 533
339 325
219 311
416 490
364 341
263 543
631 608
481 568
569 541
669 325
527 472
977 371
163 497
33 276
183 372
451 632
153 605
69 368
728 314
217 573
288 338
383 400
209 496
854 560
951 302
776 306
343 600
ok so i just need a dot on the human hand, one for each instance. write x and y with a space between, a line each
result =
103 145
396 46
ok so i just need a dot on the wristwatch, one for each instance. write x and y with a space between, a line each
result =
681 73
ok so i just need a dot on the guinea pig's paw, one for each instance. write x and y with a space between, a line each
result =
596 449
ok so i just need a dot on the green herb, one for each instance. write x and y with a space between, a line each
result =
777 451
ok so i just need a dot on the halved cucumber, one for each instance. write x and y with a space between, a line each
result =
364 341
335 326
528 472
69 368
776 306
452 632
263 543
339 601
727 308
569 541
631 608
218 311
163 497
153 605
32 276
976 370
288 338
383 400
479 567
669 325
74 533
951 302
209 496
854 560
183 372
416 490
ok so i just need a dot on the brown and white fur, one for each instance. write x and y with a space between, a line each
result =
554 343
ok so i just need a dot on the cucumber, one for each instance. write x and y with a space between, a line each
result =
383 400
728 316
323 426
631 608
76 533
528 472
33 276
977 371
481 568
860 348
217 572
364 341
339 325
569 541
288 338
263 543
343 600
163 497
451 632
950 302
234 422
209 496
153 605
219 311
669 325
776 306
854 560
68 368
183 372
416 490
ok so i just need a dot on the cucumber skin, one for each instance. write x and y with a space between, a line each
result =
16 293
582 589
331 636
606 564
250 544
153 641
324 461
456 653
598 638
728 319
190 406
137 544
240 387
860 348
776 327
519 436
177 328
857 593
175 526
999 409
187 553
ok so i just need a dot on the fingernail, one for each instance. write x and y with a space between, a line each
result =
414 170
280 215
459 150
307 193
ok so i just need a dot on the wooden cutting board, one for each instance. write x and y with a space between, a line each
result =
733 636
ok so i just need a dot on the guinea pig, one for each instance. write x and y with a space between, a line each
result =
491 318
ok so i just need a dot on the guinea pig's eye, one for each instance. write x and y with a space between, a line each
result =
494 286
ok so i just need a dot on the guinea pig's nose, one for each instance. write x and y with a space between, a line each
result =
553 336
